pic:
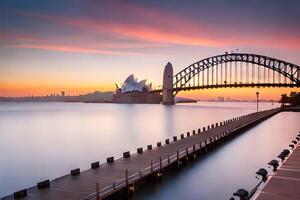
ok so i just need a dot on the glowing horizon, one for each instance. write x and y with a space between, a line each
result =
79 47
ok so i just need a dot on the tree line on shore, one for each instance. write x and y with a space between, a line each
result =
290 100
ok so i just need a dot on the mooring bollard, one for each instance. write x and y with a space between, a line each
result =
75 172
208 127
274 164
110 160
20 194
174 138
43 184
194 132
95 165
126 154
212 126
149 147
159 144
188 134
167 141
203 129
217 124
182 136
139 150
199 130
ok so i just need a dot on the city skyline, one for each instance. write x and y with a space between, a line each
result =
72 46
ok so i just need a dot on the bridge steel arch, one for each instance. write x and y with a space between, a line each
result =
189 78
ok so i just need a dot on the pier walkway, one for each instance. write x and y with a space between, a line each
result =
285 184
115 175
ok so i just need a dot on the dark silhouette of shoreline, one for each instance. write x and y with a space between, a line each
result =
96 96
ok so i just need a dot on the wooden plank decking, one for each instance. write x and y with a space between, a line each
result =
83 186
285 184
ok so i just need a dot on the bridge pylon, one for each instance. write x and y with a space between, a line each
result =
167 88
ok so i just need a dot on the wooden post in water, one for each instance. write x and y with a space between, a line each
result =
160 165
151 166
97 191
126 177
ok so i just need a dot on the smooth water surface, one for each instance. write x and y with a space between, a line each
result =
230 167
41 141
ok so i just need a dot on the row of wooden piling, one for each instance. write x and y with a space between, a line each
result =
190 154
196 149
110 160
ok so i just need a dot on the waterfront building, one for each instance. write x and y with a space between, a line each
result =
134 91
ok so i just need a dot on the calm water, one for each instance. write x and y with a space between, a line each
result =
231 166
41 141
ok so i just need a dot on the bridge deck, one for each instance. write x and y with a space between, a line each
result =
83 186
285 184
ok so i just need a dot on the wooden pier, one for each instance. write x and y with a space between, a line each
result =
119 176
285 183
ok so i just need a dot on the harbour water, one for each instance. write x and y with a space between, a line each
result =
41 141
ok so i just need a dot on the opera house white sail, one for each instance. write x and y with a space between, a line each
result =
132 84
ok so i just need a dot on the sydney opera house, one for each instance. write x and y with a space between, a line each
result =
134 91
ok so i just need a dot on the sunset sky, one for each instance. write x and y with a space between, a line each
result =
84 45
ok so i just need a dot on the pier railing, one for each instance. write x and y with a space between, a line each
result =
122 183
119 184
179 152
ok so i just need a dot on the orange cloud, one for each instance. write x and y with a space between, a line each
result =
72 49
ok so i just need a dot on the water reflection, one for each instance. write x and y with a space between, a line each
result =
41 141
232 166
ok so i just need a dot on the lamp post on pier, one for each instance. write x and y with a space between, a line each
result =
257 94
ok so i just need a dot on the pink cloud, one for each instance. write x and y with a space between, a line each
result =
73 49
169 28
149 27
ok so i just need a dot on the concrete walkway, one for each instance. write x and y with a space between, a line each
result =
285 184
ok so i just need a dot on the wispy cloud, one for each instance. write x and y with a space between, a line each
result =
165 27
148 33
73 49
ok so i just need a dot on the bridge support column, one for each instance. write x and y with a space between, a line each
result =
167 88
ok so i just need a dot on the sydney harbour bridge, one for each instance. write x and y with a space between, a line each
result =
230 70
